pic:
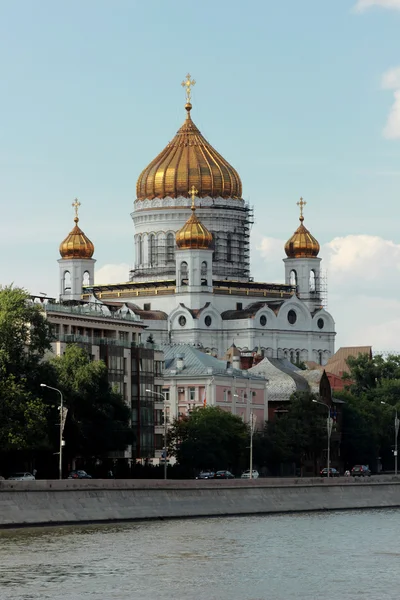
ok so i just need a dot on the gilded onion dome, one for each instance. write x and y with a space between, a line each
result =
76 244
188 160
302 244
193 235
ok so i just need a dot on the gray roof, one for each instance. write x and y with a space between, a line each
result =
197 363
284 378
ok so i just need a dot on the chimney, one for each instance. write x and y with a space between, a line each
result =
236 362
180 362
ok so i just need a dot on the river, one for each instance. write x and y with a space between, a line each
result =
321 556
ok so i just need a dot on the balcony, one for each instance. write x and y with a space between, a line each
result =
73 338
91 310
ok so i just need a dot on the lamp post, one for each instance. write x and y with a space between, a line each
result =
251 443
61 426
329 431
164 397
396 433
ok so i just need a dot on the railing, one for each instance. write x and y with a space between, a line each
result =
74 338
90 311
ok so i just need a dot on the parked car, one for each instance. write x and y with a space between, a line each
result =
224 475
23 476
206 475
79 475
361 471
332 472
246 474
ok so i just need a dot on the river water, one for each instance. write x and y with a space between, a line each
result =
321 556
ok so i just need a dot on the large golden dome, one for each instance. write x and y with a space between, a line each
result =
76 244
302 244
186 161
193 235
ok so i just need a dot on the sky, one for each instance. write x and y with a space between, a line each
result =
302 98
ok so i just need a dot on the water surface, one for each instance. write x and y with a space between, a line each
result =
321 556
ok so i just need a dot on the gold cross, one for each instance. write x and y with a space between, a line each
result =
301 204
193 193
76 204
188 85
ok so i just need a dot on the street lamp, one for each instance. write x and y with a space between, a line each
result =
396 433
329 431
252 422
164 397
61 426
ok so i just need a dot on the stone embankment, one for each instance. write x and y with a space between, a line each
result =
85 501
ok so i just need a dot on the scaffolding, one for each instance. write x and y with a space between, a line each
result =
322 287
231 246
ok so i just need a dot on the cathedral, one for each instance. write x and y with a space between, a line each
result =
191 281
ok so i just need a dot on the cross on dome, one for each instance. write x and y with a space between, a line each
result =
76 204
193 193
301 204
188 84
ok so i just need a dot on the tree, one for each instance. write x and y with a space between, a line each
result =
210 438
296 435
24 338
98 419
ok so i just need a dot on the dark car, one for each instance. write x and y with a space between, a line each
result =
224 475
332 472
361 471
79 475
206 475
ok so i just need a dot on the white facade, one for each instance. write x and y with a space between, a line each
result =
74 273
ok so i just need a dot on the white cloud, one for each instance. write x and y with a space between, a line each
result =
391 79
392 127
363 286
112 273
363 5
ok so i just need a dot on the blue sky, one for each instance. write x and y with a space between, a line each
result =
302 98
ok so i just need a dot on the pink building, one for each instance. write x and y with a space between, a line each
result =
194 379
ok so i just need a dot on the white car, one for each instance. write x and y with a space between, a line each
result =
246 474
21 477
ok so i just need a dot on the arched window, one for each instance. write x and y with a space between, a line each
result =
320 357
152 250
293 278
217 249
297 358
313 281
229 247
86 278
203 273
292 357
170 247
140 250
184 273
67 282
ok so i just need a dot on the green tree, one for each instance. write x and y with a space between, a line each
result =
294 437
24 339
98 419
210 438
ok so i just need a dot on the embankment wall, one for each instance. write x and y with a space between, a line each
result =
69 501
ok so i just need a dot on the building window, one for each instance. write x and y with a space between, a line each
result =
184 273
263 320
67 282
208 320
313 282
320 323
182 321
229 247
203 272
293 278
170 247
239 306
147 306
152 249
292 317
86 278
192 394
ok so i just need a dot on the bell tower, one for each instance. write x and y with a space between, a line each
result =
76 265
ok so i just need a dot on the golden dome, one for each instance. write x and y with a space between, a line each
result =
302 244
193 235
186 161
76 244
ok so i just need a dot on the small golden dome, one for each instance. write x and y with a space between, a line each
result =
193 235
302 244
186 161
76 244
